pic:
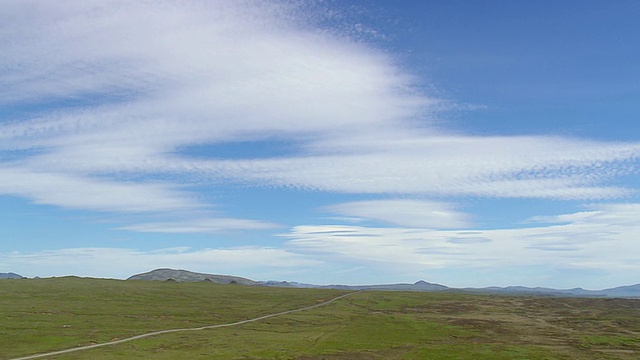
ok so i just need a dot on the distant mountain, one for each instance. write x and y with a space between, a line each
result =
288 284
418 286
10 276
632 291
189 276
522 290
622 291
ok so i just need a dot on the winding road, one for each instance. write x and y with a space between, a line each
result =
59 352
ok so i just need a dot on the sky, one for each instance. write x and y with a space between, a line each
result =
465 143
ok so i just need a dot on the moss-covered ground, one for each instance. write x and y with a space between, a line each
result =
42 315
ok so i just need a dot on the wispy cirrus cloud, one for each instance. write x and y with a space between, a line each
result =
438 164
99 102
86 193
101 98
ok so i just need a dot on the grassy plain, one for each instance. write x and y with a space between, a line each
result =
41 315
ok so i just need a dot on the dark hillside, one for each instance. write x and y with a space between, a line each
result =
189 276
10 275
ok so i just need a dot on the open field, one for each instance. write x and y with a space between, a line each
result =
53 314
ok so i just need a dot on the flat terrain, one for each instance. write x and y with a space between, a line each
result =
42 315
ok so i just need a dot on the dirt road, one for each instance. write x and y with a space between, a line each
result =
59 352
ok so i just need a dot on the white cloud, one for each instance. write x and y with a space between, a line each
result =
199 226
602 241
147 79
108 93
68 190
404 212
428 163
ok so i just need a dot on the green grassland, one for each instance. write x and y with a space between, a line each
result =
42 315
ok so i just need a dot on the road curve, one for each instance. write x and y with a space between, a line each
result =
59 352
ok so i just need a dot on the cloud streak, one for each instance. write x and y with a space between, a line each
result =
411 213
436 164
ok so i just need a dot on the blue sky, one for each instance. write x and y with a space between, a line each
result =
468 143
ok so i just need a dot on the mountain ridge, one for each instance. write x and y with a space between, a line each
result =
628 291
